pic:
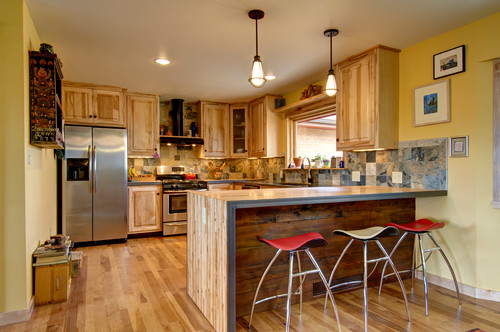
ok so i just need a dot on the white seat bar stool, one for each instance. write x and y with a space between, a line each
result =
371 234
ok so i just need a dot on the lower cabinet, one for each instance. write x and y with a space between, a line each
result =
51 283
144 208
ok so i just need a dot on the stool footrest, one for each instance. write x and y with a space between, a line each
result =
303 273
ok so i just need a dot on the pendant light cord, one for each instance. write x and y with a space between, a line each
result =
331 66
256 39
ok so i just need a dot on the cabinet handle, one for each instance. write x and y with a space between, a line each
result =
338 139
157 194
57 283
205 150
90 116
95 116
262 149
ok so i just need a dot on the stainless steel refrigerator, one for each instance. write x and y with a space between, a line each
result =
95 183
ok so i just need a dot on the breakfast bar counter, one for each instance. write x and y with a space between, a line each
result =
225 258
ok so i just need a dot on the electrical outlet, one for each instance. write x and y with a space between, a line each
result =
397 177
356 176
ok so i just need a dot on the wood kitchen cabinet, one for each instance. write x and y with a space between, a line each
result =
143 116
266 128
93 105
367 100
238 142
214 128
144 208
51 283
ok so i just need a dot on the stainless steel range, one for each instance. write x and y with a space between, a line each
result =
176 182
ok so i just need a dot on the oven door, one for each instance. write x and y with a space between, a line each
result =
174 206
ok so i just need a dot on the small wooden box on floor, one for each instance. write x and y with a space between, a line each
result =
51 283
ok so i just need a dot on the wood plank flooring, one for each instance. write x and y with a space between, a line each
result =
141 286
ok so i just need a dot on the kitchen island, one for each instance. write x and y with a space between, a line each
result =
225 259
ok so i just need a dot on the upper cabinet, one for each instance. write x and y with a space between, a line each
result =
266 128
238 143
142 124
94 105
46 120
214 128
367 100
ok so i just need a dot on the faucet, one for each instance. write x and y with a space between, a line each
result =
309 177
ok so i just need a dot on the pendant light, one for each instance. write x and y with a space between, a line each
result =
331 83
257 78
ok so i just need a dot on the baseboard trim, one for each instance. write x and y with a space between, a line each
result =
17 316
471 291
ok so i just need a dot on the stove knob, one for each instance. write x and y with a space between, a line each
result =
175 186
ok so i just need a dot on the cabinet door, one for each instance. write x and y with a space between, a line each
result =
142 125
144 209
108 108
258 129
77 105
238 146
215 124
60 283
356 109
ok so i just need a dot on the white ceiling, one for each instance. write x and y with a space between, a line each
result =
211 43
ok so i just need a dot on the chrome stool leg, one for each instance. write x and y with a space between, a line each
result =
365 284
328 291
260 284
335 268
301 280
449 267
397 275
385 264
289 293
424 271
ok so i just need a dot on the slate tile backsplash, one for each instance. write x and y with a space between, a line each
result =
424 164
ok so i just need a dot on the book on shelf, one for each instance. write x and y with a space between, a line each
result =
52 259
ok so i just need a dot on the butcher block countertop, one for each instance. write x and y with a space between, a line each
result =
311 195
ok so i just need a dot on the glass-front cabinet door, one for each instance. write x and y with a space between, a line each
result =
239 132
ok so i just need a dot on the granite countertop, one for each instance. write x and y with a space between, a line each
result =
143 183
285 196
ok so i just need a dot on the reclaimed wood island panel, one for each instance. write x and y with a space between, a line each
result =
225 258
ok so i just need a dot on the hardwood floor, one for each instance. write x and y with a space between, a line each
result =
141 286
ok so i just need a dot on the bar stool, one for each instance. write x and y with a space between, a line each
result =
419 228
371 234
294 245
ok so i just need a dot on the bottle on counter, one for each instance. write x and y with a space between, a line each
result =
341 163
194 130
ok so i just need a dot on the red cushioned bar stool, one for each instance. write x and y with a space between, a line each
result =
294 245
366 235
419 228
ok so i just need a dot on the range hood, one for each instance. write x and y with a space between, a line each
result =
181 140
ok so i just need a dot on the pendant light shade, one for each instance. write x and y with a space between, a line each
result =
331 82
257 78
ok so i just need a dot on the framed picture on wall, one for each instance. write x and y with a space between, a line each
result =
431 103
449 62
459 146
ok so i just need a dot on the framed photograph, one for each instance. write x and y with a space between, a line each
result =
449 62
459 146
431 103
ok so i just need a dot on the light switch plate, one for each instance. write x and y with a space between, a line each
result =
397 177
356 176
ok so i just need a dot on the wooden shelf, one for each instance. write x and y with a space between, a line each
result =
316 103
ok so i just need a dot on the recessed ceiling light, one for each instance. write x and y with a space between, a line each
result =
270 77
162 61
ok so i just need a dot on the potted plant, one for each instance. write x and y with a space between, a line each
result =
298 161
318 160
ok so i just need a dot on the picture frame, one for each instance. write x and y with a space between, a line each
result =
431 103
459 146
449 62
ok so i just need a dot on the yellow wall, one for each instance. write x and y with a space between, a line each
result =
470 236
27 196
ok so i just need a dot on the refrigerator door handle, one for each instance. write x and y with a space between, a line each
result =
95 170
90 168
